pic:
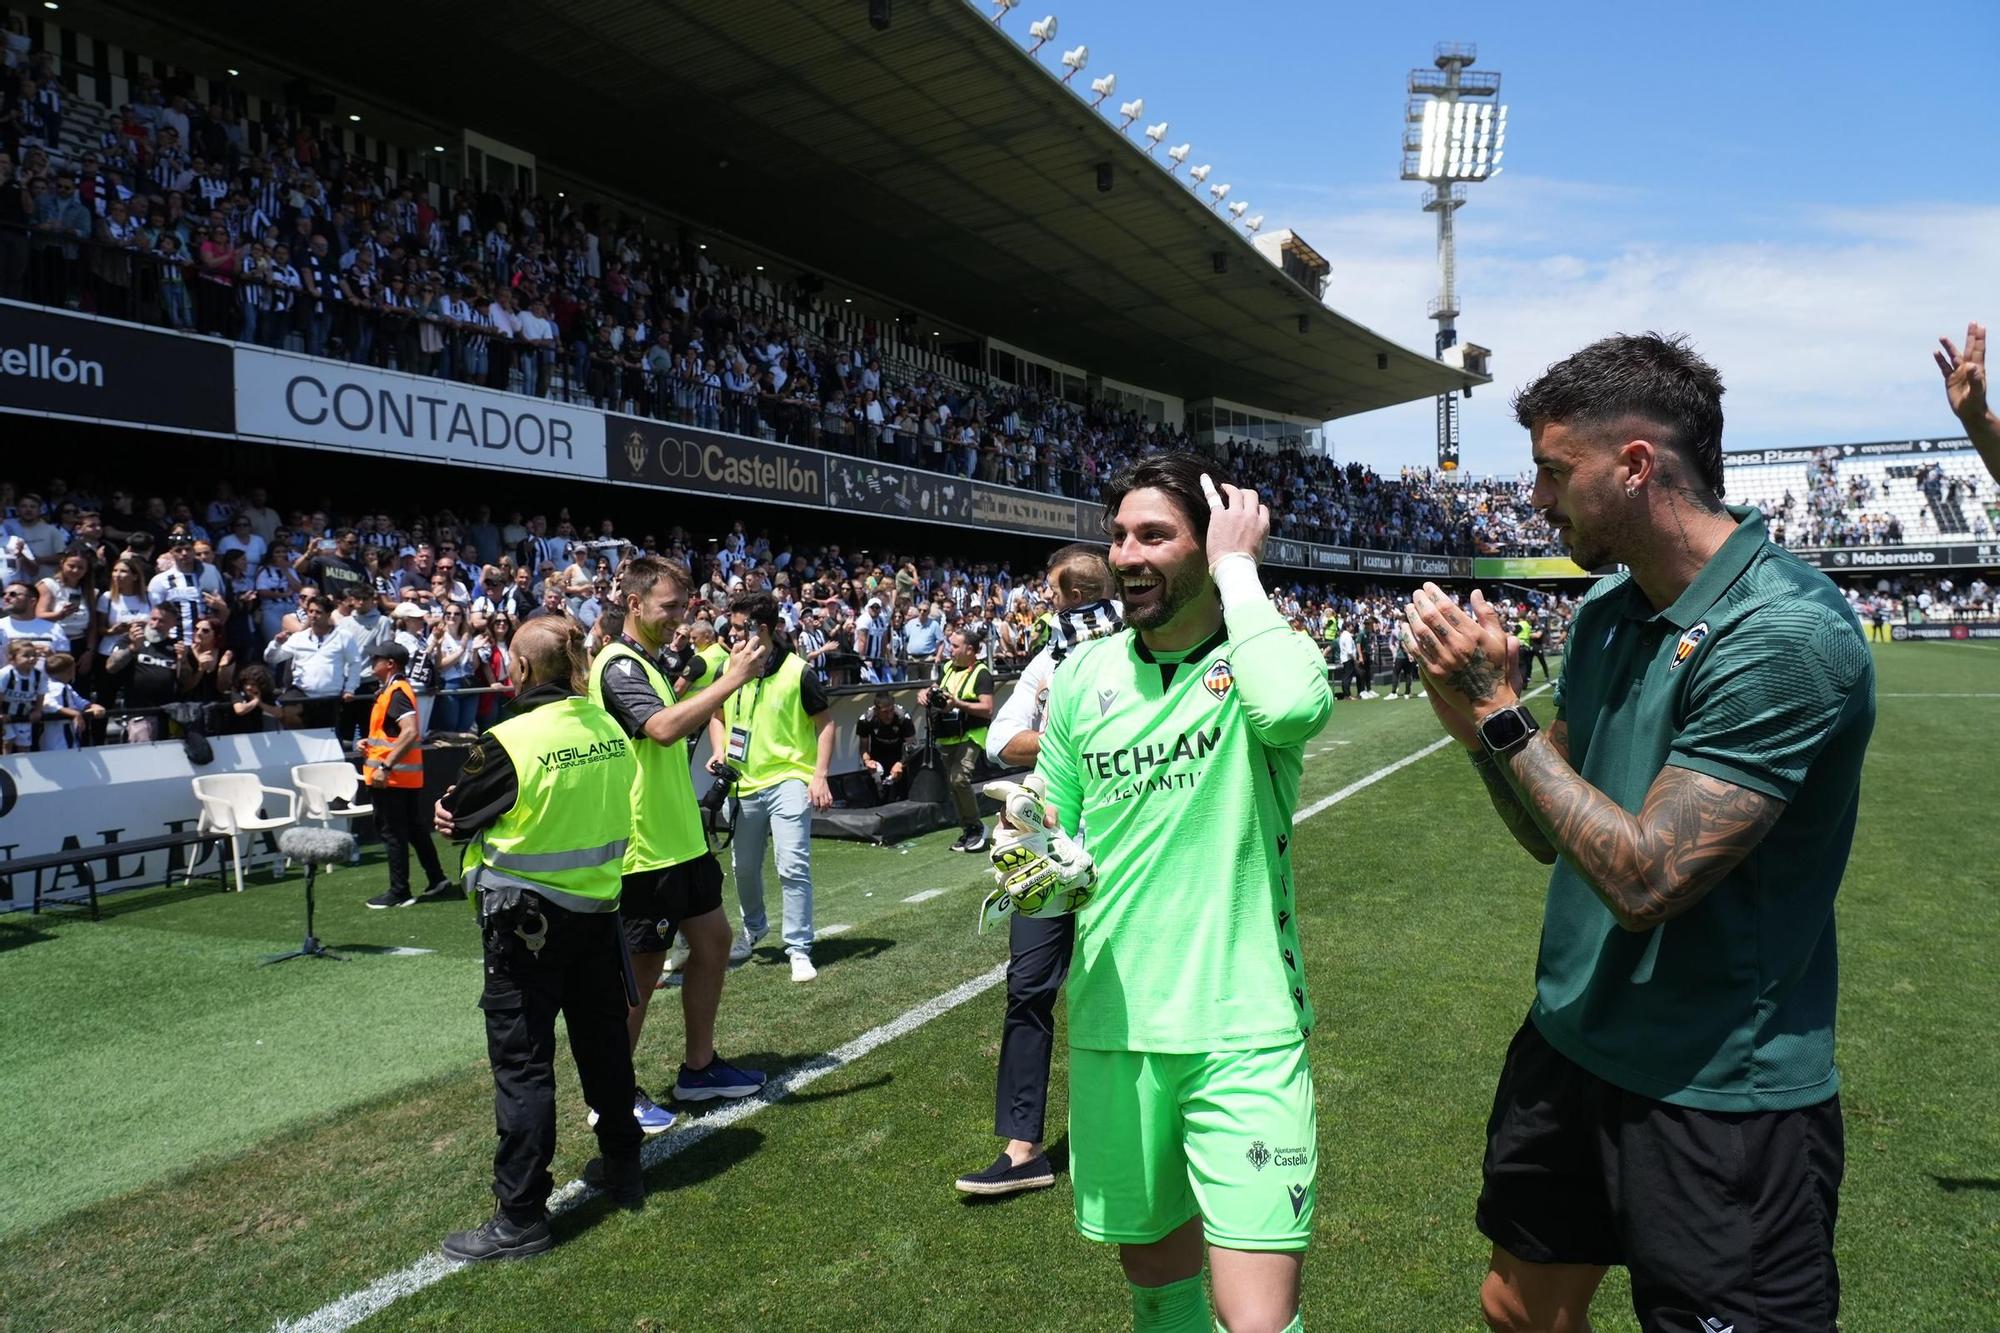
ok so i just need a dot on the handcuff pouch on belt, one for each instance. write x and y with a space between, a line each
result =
502 908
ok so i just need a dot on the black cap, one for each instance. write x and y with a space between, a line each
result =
395 652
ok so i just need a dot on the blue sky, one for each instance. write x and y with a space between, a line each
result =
1810 191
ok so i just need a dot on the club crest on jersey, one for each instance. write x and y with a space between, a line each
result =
1218 678
1688 643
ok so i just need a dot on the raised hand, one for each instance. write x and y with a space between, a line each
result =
1468 660
1238 522
1965 376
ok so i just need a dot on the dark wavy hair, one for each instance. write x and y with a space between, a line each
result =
1177 475
1656 377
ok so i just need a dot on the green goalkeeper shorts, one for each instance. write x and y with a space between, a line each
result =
1155 1139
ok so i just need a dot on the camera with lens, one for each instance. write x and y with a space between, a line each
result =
945 717
716 799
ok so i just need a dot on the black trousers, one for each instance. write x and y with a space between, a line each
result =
578 972
1532 655
1037 964
403 820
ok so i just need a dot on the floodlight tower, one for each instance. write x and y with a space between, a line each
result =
1453 133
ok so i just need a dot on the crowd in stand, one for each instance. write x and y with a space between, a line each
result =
193 216
231 613
1836 512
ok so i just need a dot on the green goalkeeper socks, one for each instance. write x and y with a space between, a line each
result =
1178 1307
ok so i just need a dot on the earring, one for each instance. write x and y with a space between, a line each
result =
1631 492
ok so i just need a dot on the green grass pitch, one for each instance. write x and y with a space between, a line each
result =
189 1141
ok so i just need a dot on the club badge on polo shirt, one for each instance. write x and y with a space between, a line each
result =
1689 641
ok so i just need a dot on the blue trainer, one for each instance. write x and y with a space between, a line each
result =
719 1079
652 1119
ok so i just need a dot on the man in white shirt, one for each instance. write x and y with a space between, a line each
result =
538 357
44 540
1343 663
506 328
20 622
325 656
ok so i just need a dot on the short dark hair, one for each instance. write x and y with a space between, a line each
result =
759 608
1655 376
1178 474
638 576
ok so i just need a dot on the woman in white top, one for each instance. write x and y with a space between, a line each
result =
454 667
65 598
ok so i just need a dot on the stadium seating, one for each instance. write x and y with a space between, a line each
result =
612 293
1865 500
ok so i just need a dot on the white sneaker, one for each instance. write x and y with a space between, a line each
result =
739 950
1368 694
802 968
1420 694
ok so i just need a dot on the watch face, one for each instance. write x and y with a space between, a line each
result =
1503 729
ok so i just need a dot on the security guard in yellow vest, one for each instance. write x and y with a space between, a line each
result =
673 884
959 707
544 804
776 734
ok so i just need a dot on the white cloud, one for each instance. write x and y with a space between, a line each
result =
1820 320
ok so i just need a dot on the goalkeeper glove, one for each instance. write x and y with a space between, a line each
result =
1041 872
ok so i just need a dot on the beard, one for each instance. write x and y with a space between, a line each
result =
1177 591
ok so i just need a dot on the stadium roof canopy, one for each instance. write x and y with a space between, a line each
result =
932 161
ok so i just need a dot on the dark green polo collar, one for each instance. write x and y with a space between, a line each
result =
1722 570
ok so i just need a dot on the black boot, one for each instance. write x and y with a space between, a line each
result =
499 1237
622 1180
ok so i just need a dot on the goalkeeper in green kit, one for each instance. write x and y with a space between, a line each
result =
1170 765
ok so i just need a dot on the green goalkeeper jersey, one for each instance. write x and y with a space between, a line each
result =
1182 771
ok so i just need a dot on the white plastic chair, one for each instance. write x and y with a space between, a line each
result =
320 785
232 803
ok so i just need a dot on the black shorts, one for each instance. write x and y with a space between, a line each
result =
652 903
1723 1218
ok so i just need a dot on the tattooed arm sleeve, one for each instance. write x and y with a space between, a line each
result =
1508 806
1650 867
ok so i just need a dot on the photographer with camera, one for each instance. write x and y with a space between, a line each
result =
959 707
777 732
887 736
672 882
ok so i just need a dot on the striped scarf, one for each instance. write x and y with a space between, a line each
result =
1070 629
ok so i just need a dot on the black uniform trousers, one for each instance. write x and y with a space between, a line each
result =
1037 964
579 972
403 820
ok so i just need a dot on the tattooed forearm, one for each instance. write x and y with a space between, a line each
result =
1650 867
1512 813
1477 679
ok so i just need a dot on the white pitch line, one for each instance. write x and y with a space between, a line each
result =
340 1315
924 896
377 1296
1931 694
837 928
1360 784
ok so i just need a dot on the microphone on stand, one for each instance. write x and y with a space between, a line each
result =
313 848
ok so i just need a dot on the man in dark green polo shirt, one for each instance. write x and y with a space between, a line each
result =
1670 1104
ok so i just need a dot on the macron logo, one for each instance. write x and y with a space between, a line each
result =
1716 1326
